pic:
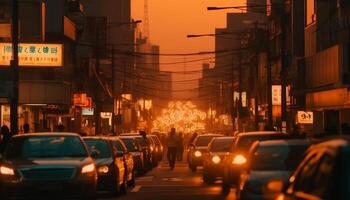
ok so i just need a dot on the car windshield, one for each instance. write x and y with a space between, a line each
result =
99 146
130 144
244 142
45 147
118 145
204 140
156 140
277 157
221 145
141 141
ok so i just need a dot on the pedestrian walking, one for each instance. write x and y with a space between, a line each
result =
180 149
172 143
6 136
192 138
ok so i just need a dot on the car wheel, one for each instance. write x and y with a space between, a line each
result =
132 182
124 186
115 189
193 168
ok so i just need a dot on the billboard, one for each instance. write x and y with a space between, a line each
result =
33 54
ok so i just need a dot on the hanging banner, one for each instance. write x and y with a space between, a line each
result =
34 55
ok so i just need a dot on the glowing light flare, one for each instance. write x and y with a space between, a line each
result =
184 116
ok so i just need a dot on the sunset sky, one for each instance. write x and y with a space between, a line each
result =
170 22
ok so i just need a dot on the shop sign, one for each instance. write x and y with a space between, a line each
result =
82 100
106 115
277 95
33 54
87 111
304 117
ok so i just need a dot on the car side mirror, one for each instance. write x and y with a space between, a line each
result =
119 154
274 186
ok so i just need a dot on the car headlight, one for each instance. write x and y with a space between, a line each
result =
216 159
197 153
103 170
7 171
152 148
239 160
88 168
156 149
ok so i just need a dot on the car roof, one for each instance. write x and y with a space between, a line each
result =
46 134
224 138
126 137
286 142
209 134
260 133
333 142
97 138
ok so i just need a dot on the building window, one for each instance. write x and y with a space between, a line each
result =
310 12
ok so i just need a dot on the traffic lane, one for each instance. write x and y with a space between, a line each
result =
180 184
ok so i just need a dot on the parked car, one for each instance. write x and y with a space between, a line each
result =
128 160
146 149
135 150
153 148
112 173
198 148
322 174
159 149
269 160
237 157
212 161
52 164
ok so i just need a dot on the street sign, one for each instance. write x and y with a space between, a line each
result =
304 117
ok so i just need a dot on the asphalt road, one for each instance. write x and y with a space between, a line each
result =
181 184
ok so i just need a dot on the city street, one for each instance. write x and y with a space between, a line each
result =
163 184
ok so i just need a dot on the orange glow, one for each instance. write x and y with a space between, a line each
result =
169 24
183 116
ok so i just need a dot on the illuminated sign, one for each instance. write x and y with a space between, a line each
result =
106 115
277 95
304 117
35 55
87 111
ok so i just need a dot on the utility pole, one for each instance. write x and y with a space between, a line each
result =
269 81
14 67
256 91
96 89
113 96
283 73
239 109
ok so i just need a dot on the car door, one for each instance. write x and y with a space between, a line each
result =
129 161
119 162
126 159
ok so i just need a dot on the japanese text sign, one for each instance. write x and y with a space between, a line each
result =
35 55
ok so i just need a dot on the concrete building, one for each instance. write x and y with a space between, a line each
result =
46 71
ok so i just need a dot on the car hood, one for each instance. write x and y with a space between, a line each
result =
62 162
103 161
264 176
